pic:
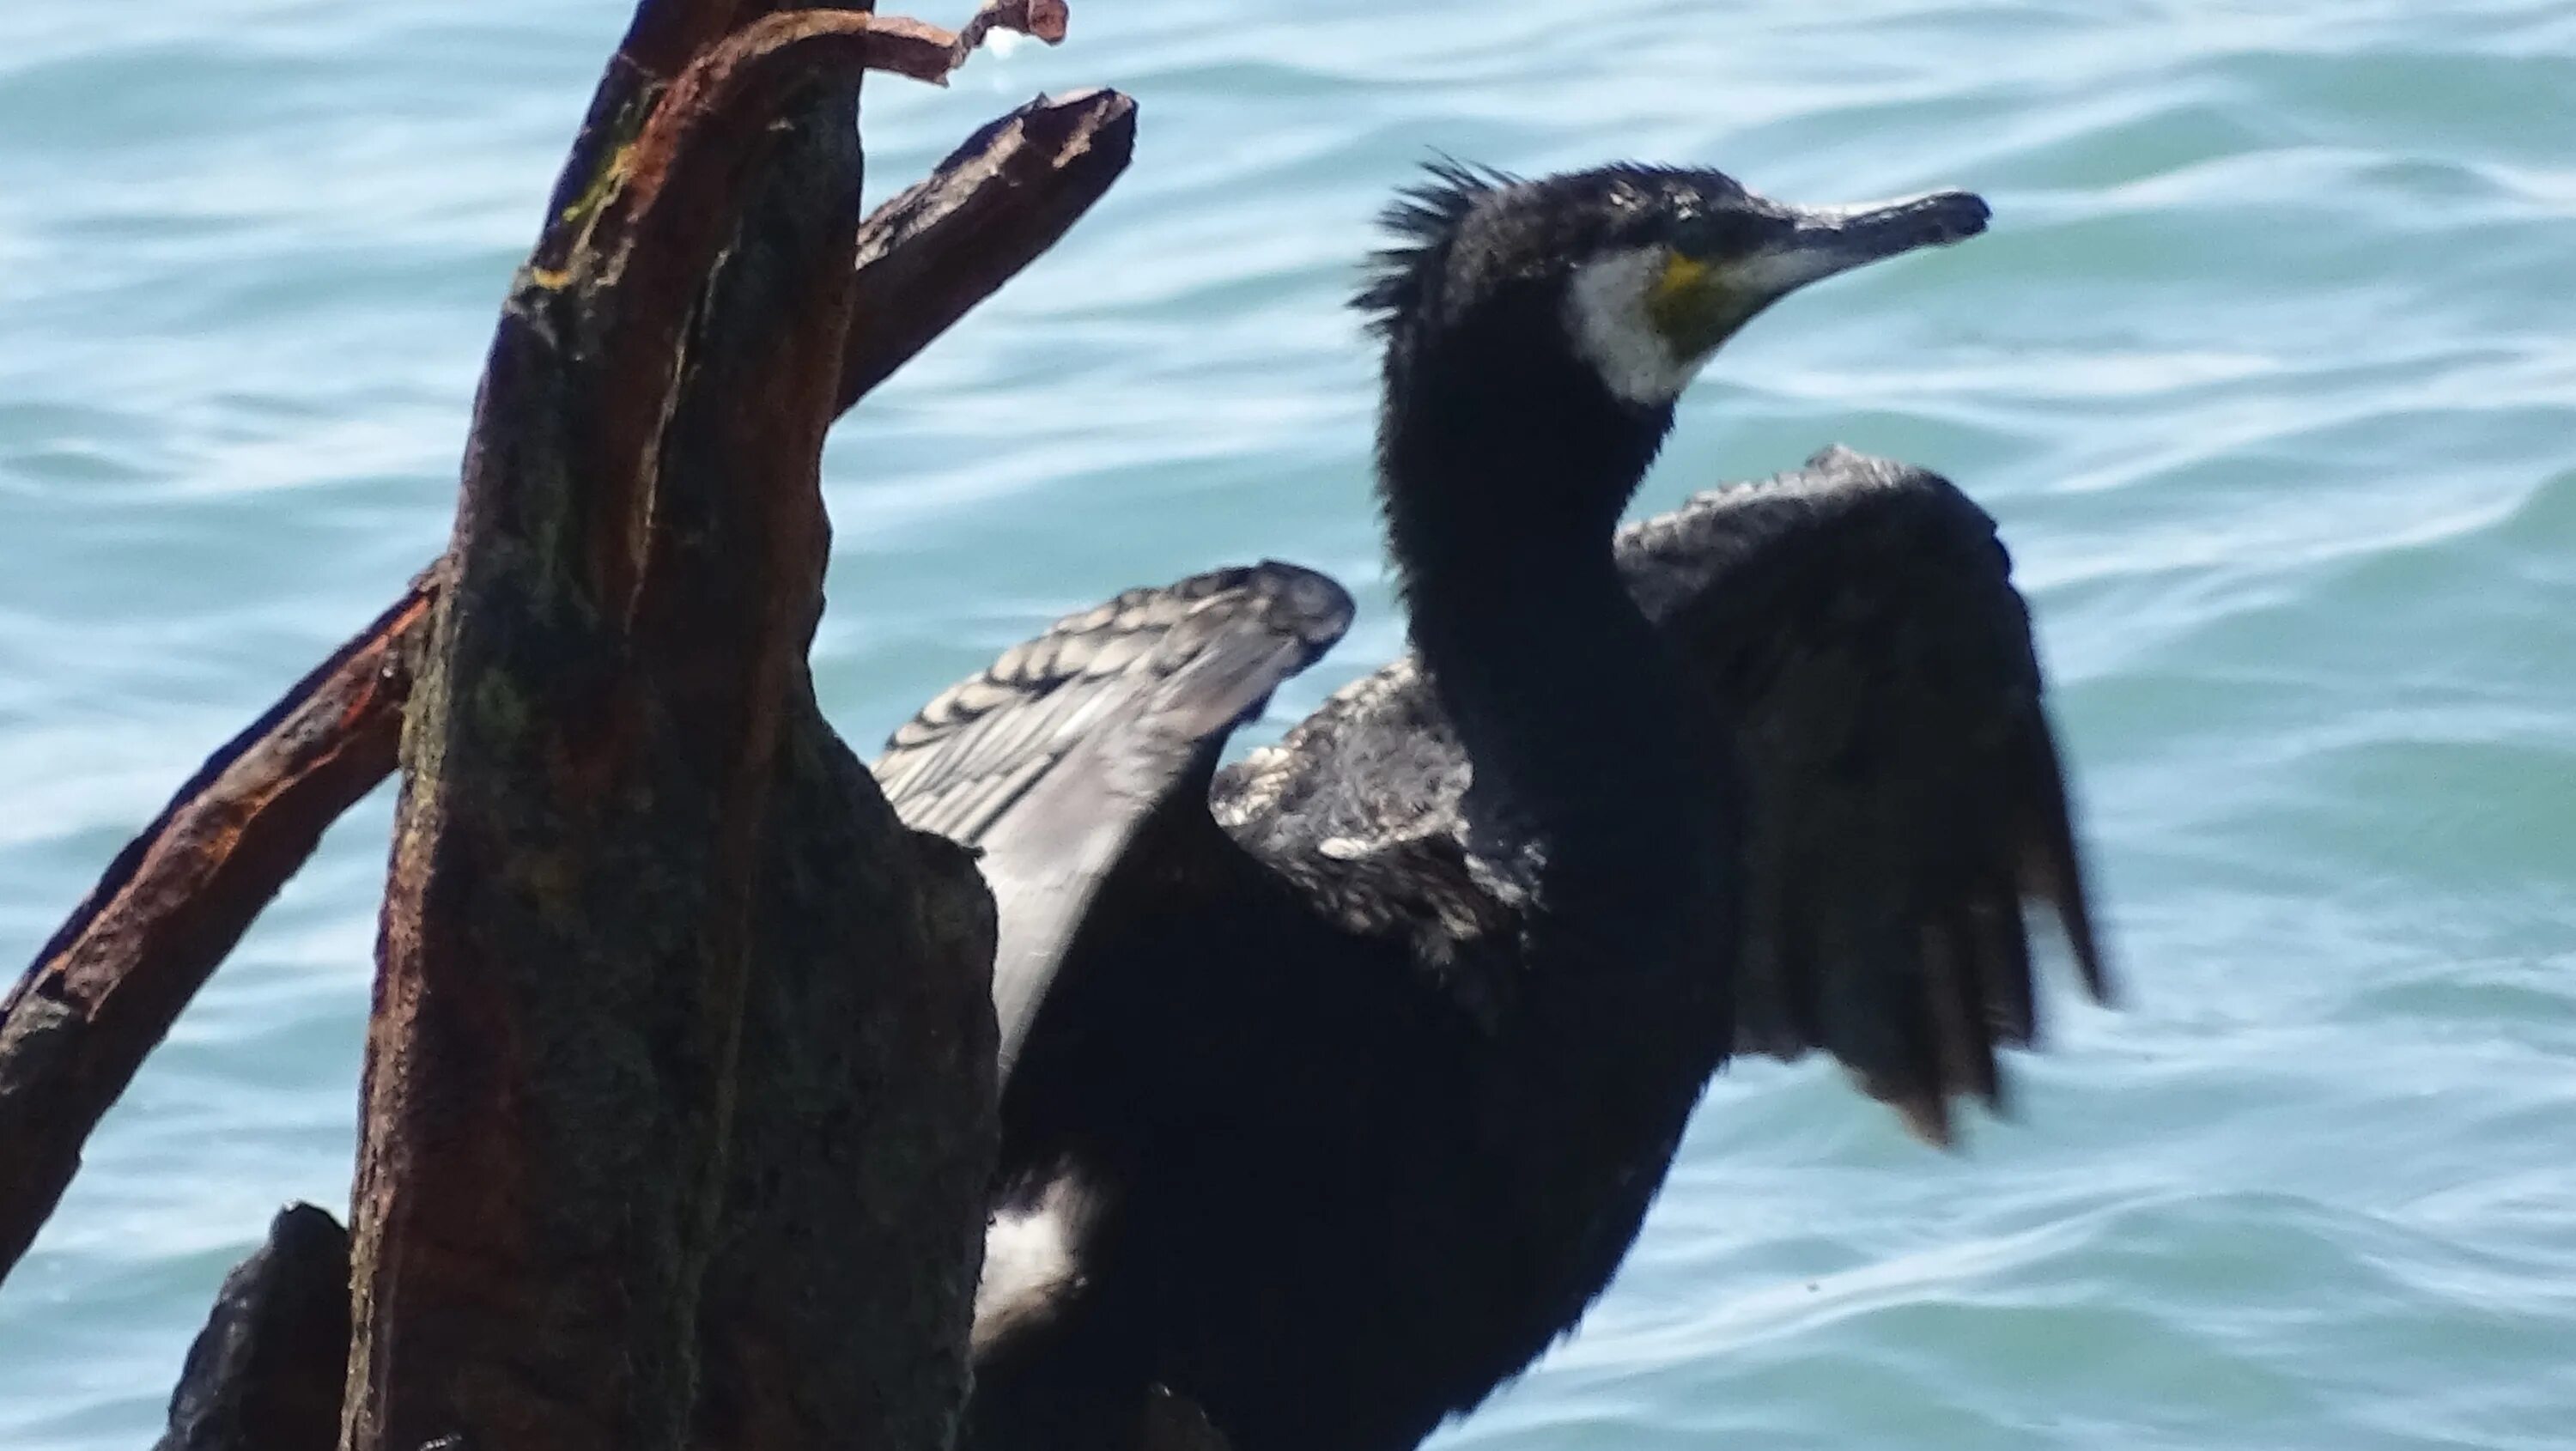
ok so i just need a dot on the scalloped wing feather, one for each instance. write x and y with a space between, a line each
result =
1052 759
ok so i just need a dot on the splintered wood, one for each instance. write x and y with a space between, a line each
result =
106 988
677 1112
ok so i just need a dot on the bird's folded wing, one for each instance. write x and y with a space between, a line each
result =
1904 793
1050 760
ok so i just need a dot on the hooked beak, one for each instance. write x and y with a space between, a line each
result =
1823 241
1702 298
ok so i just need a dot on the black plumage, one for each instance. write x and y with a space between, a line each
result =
1340 1080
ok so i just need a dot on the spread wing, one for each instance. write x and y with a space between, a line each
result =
1052 759
1904 790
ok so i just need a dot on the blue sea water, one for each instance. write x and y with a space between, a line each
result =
2268 369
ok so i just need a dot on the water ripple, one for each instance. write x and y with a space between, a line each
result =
2268 369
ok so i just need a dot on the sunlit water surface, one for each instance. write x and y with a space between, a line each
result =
2268 369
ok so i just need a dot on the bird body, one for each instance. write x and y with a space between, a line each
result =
1340 1081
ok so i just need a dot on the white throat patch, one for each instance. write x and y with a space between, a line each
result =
1032 1260
1605 313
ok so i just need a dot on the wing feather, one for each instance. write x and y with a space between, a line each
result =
1904 787
1051 760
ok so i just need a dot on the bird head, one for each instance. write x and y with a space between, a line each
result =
1639 273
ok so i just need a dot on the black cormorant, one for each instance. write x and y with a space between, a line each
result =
1340 1080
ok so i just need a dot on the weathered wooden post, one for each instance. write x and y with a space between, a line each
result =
677 1111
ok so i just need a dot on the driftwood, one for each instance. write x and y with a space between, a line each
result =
625 1009
677 1114
264 1375
107 986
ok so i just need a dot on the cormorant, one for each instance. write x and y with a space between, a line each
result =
1339 1081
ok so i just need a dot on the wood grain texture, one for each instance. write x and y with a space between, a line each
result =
610 1051
106 988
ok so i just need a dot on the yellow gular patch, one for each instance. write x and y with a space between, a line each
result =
1682 276
1688 303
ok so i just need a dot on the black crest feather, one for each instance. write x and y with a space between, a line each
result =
1423 221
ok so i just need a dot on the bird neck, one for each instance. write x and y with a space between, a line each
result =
1503 481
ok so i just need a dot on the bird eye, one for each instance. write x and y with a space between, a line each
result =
1710 236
